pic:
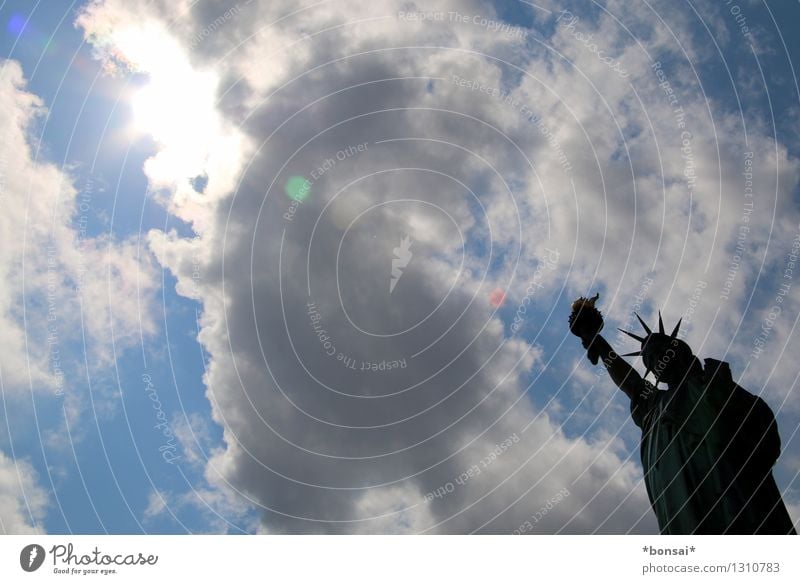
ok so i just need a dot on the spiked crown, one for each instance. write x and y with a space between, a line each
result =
655 345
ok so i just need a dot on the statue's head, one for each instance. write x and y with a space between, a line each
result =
669 358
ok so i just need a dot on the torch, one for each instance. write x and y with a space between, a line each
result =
586 322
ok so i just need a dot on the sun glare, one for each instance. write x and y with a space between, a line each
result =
176 107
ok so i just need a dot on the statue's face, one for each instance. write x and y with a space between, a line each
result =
669 359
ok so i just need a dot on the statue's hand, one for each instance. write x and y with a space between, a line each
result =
591 349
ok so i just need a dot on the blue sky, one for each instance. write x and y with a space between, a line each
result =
101 471
103 486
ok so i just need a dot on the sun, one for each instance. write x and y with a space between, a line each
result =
177 109
175 106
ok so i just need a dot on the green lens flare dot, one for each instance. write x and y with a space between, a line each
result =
298 188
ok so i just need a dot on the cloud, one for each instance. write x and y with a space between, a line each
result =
22 501
349 406
61 284
68 298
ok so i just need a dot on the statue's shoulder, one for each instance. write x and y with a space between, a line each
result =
752 421
716 371
720 385
718 379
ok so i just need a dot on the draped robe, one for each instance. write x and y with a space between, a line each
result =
707 449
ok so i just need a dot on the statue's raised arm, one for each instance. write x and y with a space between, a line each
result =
586 322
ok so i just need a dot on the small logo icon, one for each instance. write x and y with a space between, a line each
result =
402 255
31 557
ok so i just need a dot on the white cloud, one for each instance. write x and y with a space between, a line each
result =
61 284
22 501
68 297
312 440
156 505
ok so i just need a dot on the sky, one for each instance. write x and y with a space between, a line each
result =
306 267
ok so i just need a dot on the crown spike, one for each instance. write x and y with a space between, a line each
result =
633 336
646 328
674 334
660 324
